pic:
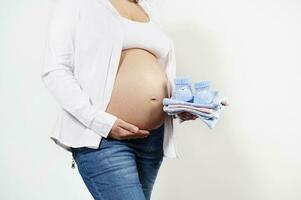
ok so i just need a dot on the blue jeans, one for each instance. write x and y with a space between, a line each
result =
121 169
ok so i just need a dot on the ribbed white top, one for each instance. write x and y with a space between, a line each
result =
145 35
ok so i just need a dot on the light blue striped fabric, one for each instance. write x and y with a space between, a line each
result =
209 119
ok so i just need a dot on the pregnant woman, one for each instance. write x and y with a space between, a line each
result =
109 65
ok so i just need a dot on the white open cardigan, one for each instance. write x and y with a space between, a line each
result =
84 45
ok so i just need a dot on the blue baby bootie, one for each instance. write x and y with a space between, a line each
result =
183 89
202 93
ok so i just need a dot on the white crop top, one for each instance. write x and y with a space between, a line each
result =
145 35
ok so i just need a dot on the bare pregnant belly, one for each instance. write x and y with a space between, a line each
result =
139 89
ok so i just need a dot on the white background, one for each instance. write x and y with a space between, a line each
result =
249 49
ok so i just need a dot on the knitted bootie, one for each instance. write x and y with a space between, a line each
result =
183 89
202 93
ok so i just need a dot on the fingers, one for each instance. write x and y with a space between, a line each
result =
187 116
139 134
146 132
128 126
193 117
130 131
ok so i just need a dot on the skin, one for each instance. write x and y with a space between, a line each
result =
185 116
136 63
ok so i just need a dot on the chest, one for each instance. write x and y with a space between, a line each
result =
144 36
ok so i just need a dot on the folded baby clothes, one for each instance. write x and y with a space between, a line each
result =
217 101
170 110
209 119
208 111
201 109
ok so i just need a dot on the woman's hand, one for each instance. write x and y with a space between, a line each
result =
184 116
122 130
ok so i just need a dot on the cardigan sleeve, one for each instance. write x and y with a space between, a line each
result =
57 74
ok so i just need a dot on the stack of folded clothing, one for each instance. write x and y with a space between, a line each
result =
205 104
